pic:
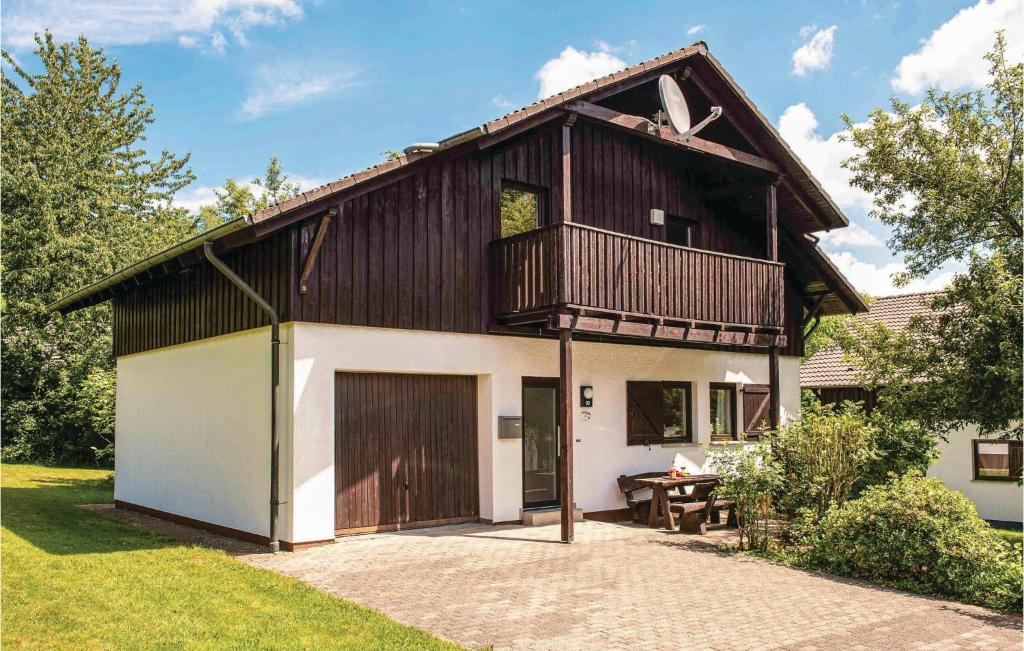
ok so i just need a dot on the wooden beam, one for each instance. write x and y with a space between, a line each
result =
668 136
565 440
314 250
772 223
567 168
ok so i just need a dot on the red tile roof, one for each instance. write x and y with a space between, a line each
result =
826 367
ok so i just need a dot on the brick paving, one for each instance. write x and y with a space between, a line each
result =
618 586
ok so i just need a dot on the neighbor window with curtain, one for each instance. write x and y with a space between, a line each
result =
997 460
723 412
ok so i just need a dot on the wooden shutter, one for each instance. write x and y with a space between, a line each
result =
755 409
643 420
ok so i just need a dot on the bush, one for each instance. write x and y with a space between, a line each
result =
915 534
94 409
901 446
822 454
750 477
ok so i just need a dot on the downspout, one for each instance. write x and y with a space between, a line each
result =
275 380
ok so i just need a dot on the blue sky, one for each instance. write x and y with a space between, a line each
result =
328 86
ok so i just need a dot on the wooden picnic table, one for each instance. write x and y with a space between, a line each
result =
659 498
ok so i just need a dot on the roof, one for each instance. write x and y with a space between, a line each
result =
825 208
826 368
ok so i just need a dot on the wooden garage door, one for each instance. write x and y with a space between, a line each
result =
405 451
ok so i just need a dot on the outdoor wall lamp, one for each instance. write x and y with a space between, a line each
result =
586 396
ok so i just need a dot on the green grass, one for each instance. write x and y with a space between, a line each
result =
76 579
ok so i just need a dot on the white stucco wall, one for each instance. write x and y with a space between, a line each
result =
996 500
499 363
192 430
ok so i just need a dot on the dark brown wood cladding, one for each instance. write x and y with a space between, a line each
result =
405 449
618 178
574 265
199 302
415 253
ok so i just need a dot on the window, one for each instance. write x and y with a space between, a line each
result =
520 209
659 412
682 232
997 460
723 412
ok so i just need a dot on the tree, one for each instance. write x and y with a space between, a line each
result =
237 200
80 198
518 211
947 176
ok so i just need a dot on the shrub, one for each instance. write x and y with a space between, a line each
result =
822 454
94 410
901 446
915 534
750 477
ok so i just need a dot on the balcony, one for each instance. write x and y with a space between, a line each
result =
613 284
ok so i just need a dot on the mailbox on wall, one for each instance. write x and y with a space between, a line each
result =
510 427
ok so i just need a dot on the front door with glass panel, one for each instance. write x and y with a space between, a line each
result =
540 442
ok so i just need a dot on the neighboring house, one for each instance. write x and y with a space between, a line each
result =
986 470
433 369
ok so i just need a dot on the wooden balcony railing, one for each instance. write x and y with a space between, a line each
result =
575 266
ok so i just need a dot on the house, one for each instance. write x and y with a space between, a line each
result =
986 470
376 354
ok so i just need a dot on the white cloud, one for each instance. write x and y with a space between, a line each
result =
138 22
502 102
952 56
816 53
824 156
193 198
696 29
279 86
877 280
807 30
852 235
573 67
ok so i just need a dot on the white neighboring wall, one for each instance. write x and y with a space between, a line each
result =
500 363
193 430
996 500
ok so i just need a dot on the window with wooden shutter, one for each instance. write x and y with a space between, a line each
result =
658 412
997 460
756 398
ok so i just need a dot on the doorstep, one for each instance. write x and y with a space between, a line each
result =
546 516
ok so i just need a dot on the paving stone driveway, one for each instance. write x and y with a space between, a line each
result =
618 586
624 586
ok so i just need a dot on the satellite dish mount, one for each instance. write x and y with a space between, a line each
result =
678 111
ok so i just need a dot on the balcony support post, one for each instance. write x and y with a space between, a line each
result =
565 440
772 240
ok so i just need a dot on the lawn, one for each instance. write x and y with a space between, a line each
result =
76 579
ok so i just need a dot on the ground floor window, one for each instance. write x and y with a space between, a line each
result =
997 460
723 412
659 412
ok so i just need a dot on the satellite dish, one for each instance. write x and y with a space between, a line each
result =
675 106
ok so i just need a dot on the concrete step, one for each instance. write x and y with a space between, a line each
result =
551 515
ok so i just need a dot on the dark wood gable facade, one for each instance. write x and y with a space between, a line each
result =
421 247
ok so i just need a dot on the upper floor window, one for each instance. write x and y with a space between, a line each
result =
681 231
996 460
521 208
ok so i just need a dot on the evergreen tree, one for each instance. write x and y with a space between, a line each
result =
238 200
